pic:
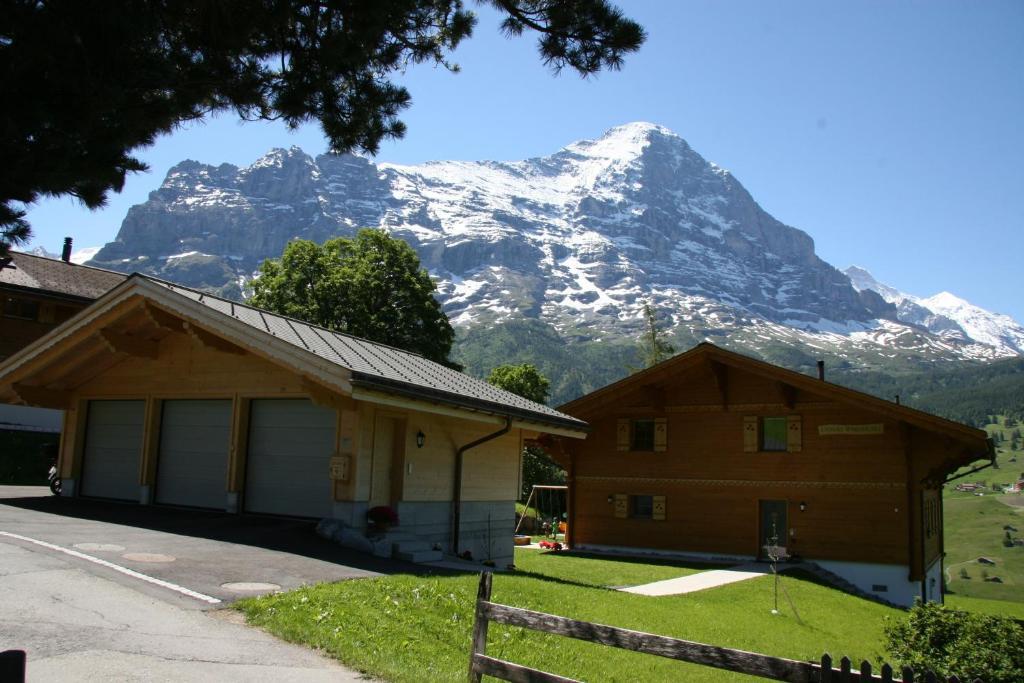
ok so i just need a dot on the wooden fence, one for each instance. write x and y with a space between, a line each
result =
752 663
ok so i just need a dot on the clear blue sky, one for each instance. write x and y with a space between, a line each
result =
893 133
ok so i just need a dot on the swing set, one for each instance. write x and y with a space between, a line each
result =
550 518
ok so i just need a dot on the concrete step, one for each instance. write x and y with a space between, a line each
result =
419 556
411 546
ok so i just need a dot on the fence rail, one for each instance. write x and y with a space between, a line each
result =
739 661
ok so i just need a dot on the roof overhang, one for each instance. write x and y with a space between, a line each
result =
402 395
974 440
158 301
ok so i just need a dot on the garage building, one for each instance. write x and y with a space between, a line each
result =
176 397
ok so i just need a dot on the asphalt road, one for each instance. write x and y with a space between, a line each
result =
91 596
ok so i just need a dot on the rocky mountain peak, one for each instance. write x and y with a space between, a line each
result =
578 240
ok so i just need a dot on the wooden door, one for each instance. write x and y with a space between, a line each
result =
385 470
773 526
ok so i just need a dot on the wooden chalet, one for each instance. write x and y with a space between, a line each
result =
176 397
36 295
717 455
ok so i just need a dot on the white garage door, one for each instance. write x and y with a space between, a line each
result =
192 468
113 449
290 447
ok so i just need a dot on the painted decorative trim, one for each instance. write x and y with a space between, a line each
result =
749 482
857 430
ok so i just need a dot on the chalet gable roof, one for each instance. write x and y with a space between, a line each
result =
362 368
54 277
589 405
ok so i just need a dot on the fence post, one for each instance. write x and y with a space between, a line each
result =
825 676
865 671
908 675
886 673
844 670
483 594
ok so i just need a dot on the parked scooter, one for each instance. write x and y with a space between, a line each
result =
54 479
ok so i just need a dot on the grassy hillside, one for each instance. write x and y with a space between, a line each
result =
966 392
975 528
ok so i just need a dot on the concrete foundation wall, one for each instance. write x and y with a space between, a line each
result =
485 527
871 578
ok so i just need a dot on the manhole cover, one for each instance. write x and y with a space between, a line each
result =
250 586
148 557
113 547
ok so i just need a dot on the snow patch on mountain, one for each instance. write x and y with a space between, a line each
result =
580 239
947 315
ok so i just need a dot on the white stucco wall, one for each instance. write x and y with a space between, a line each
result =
870 577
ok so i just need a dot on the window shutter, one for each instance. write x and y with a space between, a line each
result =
658 511
622 435
621 505
794 434
750 434
661 434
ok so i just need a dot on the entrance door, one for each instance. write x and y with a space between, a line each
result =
386 472
193 465
774 527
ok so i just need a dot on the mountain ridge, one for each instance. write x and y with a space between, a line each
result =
578 240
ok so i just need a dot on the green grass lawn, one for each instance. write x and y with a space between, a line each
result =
416 628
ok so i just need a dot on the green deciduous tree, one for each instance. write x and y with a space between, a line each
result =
90 82
654 347
523 380
526 381
961 644
371 286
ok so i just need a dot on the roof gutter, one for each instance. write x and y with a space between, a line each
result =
457 488
505 411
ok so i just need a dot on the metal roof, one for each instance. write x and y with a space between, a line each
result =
381 367
56 277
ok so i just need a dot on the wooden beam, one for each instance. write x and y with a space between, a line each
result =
41 396
212 341
133 346
326 398
720 375
162 319
90 367
788 393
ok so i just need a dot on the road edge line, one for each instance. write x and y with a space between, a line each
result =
118 568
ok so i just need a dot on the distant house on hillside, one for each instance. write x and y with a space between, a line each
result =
177 397
715 454
37 294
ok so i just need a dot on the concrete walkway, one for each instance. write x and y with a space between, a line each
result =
701 581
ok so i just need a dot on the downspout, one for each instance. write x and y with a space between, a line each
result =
457 484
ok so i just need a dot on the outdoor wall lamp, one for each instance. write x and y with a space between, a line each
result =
803 506
421 439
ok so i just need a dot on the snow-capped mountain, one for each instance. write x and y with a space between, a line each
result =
947 315
78 256
579 240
